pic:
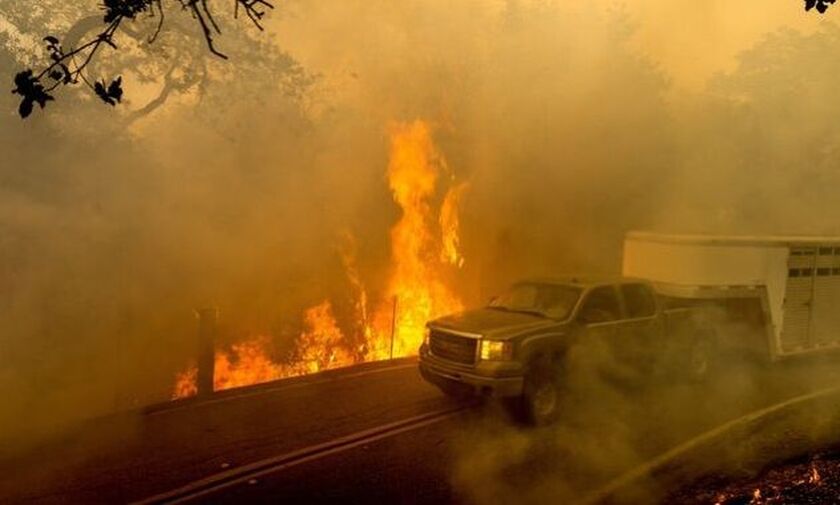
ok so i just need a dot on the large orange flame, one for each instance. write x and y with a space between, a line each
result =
425 247
247 363
416 291
450 225
321 345
348 259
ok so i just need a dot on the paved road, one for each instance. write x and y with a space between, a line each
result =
478 456
126 458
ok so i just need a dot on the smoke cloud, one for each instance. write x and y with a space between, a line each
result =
238 193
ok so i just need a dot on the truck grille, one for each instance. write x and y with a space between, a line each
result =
452 347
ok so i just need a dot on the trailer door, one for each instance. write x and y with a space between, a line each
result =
825 316
799 292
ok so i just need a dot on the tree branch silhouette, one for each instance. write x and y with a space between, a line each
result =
67 67
820 5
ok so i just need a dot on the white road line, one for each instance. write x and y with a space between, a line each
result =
647 468
243 474
281 387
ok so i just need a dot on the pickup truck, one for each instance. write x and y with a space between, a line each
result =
521 344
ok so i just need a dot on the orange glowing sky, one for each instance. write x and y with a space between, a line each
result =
692 40
695 39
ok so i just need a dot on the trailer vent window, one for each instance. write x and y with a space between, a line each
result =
807 272
823 271
835 271
837 250
825 251
793 272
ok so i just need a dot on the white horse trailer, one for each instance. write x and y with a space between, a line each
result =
794 281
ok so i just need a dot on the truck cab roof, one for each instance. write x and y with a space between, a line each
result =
585 281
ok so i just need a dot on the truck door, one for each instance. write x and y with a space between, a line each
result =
825 316
641 332
799 291
599 317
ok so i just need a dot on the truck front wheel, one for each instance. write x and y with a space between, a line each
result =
541 395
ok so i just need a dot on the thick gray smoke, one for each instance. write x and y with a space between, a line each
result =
235 192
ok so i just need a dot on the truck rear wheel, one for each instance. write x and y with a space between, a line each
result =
702 355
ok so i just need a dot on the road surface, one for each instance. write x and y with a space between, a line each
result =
380 434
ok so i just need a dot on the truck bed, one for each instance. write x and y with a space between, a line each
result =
737 316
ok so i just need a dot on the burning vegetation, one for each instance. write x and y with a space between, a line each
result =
425 249
814 479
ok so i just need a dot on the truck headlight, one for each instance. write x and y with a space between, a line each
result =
494 350
426 333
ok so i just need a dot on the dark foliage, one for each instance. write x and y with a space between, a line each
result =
67 66
820 5
30 88
112 94
125 8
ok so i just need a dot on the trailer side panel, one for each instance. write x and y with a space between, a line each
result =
711 264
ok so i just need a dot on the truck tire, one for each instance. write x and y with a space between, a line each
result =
542 394
701 359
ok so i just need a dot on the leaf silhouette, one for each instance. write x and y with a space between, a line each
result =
25 108
820 5
64 69
102 93
32 91
115 90
110 95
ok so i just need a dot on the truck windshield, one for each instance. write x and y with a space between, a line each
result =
549 300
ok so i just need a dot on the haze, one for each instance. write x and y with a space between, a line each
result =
570 124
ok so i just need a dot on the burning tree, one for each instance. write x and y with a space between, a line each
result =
417 284
424 246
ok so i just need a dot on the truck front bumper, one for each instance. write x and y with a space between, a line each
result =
448 375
